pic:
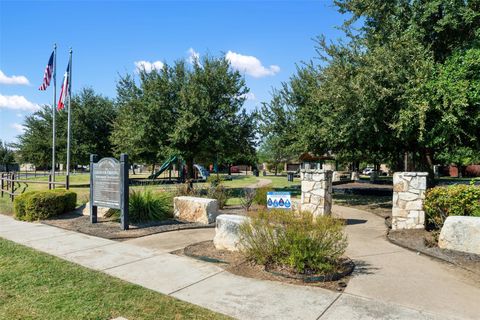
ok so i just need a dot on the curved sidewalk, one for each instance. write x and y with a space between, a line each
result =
388 273
390 283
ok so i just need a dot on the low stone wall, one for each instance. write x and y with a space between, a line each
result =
227 235
461 234
408 197
316 191
193 209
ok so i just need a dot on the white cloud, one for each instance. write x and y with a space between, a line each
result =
250 65
148 66
20 115
17 103
248 96
193 55
17 126
4 79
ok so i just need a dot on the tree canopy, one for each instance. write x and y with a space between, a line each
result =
406 81
92 118
195 111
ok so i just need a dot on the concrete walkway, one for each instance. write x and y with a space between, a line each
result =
262 182
391 283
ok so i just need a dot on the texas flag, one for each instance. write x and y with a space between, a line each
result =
65 88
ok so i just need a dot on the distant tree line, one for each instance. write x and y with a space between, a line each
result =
194 111
406 81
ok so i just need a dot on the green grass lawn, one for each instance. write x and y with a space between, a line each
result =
34 285
282 181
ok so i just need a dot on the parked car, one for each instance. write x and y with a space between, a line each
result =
368 171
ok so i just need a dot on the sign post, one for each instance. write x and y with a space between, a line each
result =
109 186
279 200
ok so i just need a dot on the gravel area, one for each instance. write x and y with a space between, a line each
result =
110 228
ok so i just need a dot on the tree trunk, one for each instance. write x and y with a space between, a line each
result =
153 168
189 164
133 169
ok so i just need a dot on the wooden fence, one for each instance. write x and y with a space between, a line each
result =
12 185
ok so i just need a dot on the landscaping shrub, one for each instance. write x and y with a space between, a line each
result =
147 206
220 193
215 179
38 205
247 198
261 196
455 200
294 240
184 189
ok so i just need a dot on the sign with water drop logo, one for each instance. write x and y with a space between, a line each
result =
279 200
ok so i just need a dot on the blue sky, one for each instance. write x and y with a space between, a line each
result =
262 39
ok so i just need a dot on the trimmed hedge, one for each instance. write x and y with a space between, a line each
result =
455 200
38 205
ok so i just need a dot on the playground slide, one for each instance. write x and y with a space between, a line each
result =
202 172
164 167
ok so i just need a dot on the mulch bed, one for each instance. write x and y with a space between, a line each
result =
422 241
109 228
235 262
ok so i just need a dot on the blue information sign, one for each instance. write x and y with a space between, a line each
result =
279 200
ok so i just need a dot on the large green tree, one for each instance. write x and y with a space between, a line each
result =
405 81
92 119
195 111
7 156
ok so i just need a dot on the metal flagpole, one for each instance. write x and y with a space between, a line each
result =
69 90
54 110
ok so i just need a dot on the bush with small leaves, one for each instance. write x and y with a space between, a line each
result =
39 205
455 200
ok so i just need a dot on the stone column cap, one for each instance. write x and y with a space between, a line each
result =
315 170
412 174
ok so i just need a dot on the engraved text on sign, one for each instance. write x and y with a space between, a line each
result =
106 183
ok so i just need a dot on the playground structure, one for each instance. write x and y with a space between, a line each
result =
200 172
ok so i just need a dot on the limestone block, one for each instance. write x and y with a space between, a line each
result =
407 196
308 186
399 212
101 211
400 186
227 236
193 209
414 205
355 176
461 234
419 183
395 198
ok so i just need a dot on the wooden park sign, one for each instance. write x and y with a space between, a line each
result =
109 186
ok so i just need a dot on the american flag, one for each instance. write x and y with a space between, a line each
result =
65 89
48 74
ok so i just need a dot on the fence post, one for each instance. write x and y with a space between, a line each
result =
2 183
13 186
93 209
49 182
124 184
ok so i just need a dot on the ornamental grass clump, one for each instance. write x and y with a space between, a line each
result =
149 206
296 241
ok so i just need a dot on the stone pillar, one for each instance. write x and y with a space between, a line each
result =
408 196
316 191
